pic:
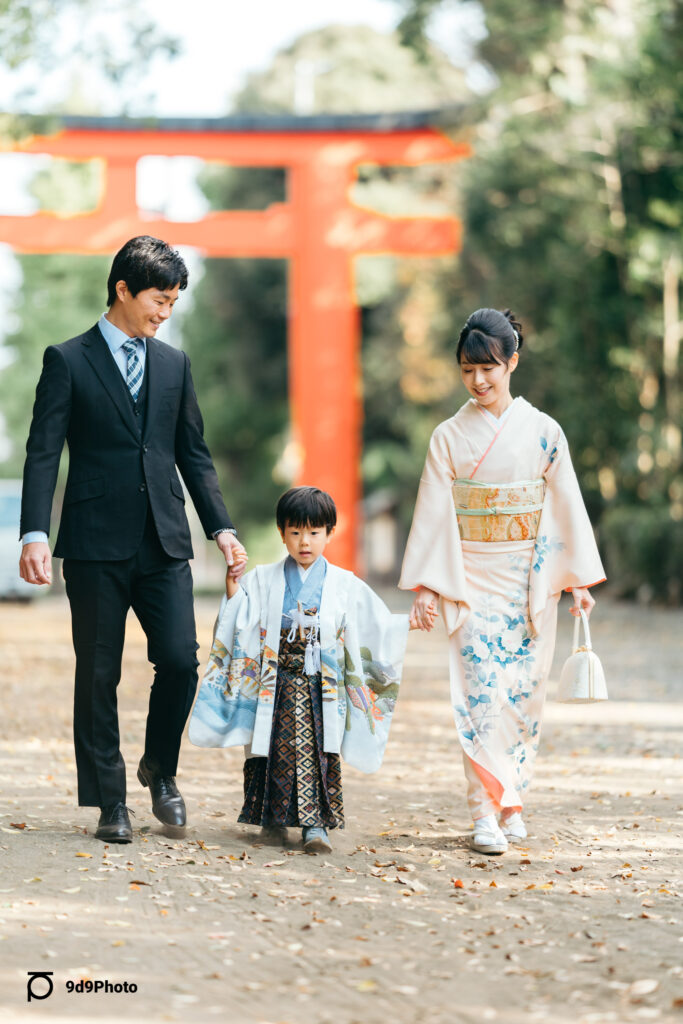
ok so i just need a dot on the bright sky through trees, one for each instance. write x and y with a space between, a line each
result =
221 43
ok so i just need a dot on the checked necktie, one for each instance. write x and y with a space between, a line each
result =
134 368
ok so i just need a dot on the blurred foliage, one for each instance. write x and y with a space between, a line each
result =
351 69
237 341
60 296
572 209
42 33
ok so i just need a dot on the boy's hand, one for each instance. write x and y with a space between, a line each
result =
424 610
234 572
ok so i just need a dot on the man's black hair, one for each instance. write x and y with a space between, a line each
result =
146 262
306 506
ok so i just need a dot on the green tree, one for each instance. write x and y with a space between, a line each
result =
59 296
35 36
572 208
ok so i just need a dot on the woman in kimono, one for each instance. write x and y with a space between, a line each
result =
499 531
305 666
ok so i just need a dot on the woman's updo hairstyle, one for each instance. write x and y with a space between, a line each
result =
489 336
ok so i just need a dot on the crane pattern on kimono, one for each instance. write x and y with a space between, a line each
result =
376 693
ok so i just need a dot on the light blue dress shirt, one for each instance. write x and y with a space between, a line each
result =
115 339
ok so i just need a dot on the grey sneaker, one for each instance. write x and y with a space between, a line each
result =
316 840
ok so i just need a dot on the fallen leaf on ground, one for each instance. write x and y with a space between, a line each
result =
412 884
642 987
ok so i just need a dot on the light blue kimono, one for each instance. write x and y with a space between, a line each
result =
362 649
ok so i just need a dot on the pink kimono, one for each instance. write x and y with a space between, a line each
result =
499 530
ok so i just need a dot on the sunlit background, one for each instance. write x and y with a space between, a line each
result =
571 211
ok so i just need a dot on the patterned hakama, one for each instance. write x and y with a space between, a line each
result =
298 784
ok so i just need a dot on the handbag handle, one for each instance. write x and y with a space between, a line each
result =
582 618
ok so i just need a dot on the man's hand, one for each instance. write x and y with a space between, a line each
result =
234 552
35 564
582 599
423 612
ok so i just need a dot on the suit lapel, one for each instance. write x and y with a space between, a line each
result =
102 362
155 366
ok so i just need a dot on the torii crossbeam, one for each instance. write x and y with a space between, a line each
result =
319 230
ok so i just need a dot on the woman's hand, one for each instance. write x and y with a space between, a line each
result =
582 599
423 612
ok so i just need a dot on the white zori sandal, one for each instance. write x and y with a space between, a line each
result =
487 836
512 827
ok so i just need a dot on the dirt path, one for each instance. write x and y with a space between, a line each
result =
402 923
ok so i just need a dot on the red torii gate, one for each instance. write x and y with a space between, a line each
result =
319 230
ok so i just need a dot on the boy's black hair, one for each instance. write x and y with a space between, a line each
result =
146 262
306 506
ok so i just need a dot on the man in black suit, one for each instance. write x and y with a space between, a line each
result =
126 406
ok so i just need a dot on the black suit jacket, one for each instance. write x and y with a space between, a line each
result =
116 471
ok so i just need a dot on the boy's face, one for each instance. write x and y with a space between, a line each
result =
305 543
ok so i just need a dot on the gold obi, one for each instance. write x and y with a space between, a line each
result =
498 512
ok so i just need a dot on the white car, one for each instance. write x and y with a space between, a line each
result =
11 584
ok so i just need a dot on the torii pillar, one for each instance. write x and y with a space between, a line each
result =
319 230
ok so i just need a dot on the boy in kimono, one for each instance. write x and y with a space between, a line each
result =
305 666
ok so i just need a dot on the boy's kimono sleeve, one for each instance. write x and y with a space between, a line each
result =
565 553
225 709
374 649
433 556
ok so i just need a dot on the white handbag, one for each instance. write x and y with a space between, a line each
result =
582 679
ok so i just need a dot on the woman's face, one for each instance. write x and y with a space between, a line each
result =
489 383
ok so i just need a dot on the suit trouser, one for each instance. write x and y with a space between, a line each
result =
159 590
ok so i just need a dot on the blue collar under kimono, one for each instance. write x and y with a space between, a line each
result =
301 594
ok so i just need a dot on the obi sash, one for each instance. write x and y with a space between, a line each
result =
498 512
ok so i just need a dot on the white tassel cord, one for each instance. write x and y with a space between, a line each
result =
311 625
312 664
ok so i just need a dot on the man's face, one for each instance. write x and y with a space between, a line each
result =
143 314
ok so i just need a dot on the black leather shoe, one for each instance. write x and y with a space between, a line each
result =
114 825
167 803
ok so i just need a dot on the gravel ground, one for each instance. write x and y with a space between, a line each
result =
402 923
